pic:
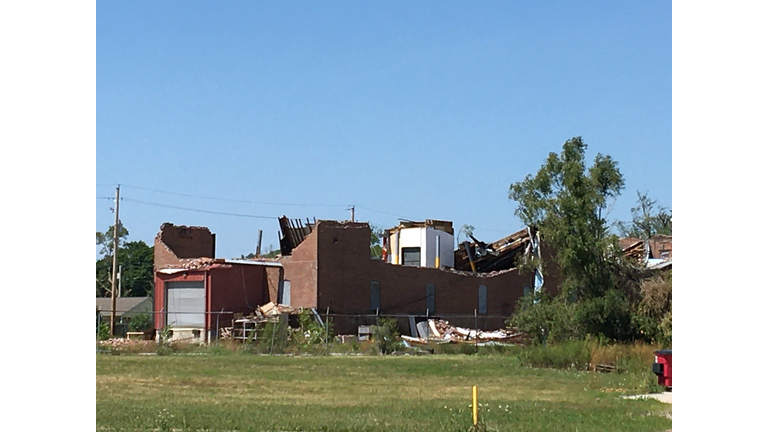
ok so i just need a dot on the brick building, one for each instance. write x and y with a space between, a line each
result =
331 269
196 294
327 265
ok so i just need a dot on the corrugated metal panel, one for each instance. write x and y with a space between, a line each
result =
185 304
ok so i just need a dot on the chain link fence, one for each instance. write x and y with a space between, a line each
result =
305 330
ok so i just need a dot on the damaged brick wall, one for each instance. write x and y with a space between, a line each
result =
661 246
300 268
274 276
175 242
337 272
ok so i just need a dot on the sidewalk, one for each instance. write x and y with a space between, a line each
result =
665 397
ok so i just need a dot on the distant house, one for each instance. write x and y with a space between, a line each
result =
651 252
125 309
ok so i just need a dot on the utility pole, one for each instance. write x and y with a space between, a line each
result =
353 213
114 262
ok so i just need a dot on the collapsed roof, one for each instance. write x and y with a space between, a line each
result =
446 226
499 255
293 233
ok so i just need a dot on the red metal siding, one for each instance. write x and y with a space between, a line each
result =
240 288
235 288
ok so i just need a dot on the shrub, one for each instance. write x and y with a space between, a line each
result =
165 345
310 336
608 316
653 314
544 318
140 322
273 337
386 337
104 330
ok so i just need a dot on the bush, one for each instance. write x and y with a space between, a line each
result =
608 316
277 331
310 336
140 322
545 319
653 314
386 337
104 330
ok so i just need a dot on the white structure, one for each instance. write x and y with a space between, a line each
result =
417 244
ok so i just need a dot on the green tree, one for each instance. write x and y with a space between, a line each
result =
136 258
271 253
566 200
106 239
377 234
648 219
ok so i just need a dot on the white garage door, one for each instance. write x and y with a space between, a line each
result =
186 304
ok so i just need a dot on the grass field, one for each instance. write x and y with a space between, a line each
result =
368 393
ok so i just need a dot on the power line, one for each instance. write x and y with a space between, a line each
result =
233 200
198 210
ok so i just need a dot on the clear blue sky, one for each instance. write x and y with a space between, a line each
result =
404 109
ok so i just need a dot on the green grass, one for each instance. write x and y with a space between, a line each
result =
404 393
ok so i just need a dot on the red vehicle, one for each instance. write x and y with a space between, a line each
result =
663 367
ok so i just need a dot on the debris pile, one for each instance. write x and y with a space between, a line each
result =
441 331
244 326
117 343
271 309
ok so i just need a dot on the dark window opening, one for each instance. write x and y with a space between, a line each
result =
375 296
482 299
411 256
431 298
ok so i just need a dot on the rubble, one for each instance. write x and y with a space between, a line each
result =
441 331
203 263
272 309
498 256
242 325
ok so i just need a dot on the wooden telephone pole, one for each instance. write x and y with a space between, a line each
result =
114 262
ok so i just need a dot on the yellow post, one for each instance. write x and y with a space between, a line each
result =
474 405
